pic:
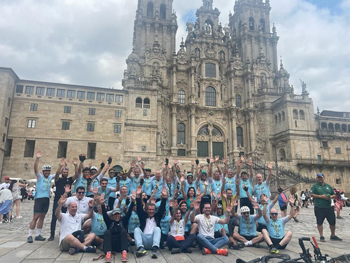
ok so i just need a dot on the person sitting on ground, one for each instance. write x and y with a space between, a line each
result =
247 226
116 236
5 203
71 236
177 242
148 235
206 228
246 181
274 235
98 225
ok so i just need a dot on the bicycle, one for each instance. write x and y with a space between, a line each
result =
267 258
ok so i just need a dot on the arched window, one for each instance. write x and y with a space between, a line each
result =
238 101
182 97
282 154
302 115
330 126
199 90
279 117
162 11
181 133
146 103
283 116
337 127
210 70
210 96
276 119
251 23
262 24
239 137
324 126
222 56
199 71
295 115
150 9
343 128
216 132
138 102
203 131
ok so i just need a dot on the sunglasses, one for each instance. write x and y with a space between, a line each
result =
80 192
245 213
112 172
274 214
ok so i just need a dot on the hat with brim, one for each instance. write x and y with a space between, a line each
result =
116 211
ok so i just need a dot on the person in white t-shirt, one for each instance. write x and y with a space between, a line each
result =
6 183
81 200
71 236
176 240
206 228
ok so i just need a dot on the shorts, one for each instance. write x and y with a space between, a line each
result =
322 213
248 237
283 208
64 246
276 241
245 202
41 205
261 227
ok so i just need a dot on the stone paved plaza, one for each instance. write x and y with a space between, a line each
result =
13 246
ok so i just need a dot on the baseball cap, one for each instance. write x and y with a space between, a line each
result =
320 175
219 207
116 211
7 178
93 168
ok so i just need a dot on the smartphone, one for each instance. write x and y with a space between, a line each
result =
197 161
208 160
141 181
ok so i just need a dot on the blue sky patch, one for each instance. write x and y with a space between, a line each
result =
332 5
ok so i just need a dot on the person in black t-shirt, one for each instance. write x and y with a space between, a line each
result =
60 183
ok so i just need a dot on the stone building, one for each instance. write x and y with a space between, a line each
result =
224 93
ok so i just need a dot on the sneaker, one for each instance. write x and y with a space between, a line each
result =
18 217
108 257
51 238
154 252
40 238
72 251
187 250
206 251
124 256
30 239
336 238
339 217
274 250
140 252
322 239
222 252
90 249
175 251
238 246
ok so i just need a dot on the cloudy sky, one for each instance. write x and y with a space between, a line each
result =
86 42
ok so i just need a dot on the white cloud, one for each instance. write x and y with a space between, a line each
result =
87 41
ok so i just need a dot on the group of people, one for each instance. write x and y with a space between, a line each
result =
170 208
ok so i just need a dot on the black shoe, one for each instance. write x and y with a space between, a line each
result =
30 239
90 249
40 238
174 251
154 252
51 238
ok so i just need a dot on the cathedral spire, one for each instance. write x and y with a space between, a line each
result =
208 4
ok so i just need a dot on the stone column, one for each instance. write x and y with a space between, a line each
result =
173 131
252 131
193 132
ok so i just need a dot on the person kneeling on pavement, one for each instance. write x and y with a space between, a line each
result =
148 235
176 241
274 235
206 228
72 238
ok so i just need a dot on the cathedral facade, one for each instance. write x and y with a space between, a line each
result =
224 93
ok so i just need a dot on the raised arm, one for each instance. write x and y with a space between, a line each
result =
210 170
195 209
187 215
61 164
36 162
269 174
91 210
82 158
224 160
218 165
173 214
76 168
60 203
227 215
182 179
250 164
264 212
292 209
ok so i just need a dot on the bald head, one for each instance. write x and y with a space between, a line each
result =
72 208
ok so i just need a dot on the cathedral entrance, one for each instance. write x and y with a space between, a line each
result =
210 142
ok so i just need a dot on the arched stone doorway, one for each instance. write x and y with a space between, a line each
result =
210 142
281 155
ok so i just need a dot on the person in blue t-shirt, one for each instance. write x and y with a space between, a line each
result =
42 198
274 235
112 183
165 227
147 181
262 187
98 225
246 181
124 181
247 227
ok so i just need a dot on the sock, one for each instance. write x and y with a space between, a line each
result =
30 232
38 232
85 247
248 243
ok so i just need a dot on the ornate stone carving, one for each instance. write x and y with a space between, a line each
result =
164 138
210 51
260 134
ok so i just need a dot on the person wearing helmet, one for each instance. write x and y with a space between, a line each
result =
124 181
97 175
246 181
274 234
147 182
42 198
247 226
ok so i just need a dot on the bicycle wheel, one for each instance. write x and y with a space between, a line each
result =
276 258
340 259
256 260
